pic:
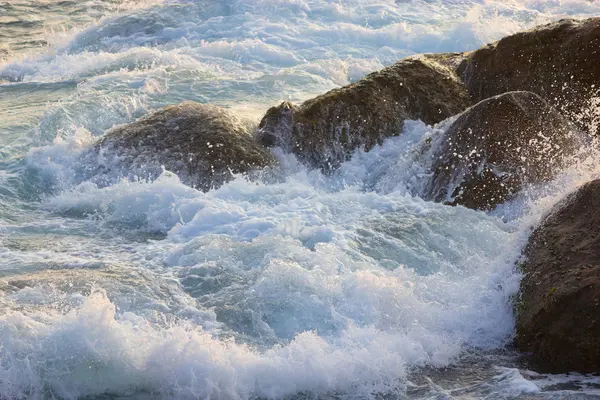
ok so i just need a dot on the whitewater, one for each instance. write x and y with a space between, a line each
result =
298 285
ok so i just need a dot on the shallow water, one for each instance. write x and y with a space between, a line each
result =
311 286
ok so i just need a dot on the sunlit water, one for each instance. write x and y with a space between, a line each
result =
342 286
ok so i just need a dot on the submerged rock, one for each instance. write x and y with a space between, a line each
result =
559 61
558 313
497 147
203 144
324 131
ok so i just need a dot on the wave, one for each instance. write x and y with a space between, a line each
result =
317 283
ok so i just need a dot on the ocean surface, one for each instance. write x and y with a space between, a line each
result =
312 287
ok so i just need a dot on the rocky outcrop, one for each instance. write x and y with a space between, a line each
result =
324 131
558 313
203 144
497 147
559 61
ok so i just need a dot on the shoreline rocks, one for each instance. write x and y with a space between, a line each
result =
499 146
559 61
324 131
203 144
558 313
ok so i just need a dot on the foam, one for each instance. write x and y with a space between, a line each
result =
341 289
271 37
103 353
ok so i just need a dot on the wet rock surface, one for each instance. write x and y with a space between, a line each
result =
499 146
325 130
558 61
203 144
558 312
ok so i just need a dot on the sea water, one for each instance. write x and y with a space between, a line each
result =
306 286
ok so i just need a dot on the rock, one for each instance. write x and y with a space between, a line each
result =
325 130
559 61
558 313
497 147
203 144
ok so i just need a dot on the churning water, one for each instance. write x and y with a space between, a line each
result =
305 286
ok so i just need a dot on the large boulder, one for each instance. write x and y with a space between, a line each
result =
559 61
497 147
558 312
325 130
203 144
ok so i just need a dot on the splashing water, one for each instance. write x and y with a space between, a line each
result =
347 285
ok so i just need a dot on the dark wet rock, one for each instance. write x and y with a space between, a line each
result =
325 130
497 147
559 61
558 312
203 144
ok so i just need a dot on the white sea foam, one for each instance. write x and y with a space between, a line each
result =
340 289
99 352
250 40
